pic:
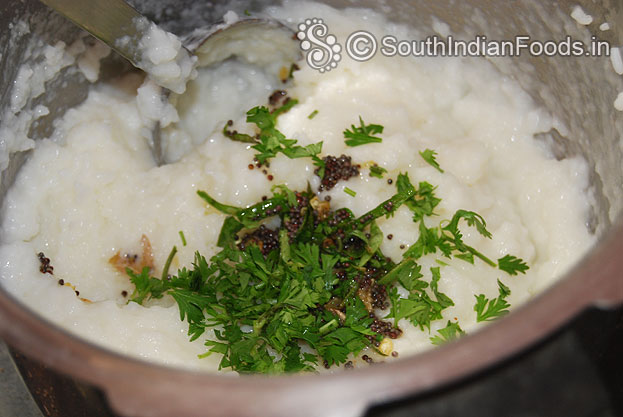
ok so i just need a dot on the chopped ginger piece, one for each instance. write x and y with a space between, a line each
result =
135 262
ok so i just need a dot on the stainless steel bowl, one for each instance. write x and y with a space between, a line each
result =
579 91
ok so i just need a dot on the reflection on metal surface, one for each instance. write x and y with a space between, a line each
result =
57 395
15 400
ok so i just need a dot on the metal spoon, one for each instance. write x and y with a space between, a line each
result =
120 26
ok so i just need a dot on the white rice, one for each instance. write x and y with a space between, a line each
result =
93 189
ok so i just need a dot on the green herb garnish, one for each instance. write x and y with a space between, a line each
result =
312 114
454 236
430 156
362 135
270 141
512 265
449 333
377 171
320 278
167 264
424 202
236 136
419 307
487 310
264 302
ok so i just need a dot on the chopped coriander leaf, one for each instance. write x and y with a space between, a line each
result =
321 166
405 307
247 12
235 136
145 287
183 238
191 306
455 236
386 208
312 114
377 171
443 300
429 241
290 294
270 141
503 289
350 192
403 182
290 195
430 156
223 208
318 280
449 333
275 142
487 310
228 236
285 107
407 273
309 151
167 265
512 265
419 307
262 118
373 243
424 202
472 219
249 217
284 246
448 238
362 135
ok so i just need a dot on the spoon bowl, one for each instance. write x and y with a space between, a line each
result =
172 62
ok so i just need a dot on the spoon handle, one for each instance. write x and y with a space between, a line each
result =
108 20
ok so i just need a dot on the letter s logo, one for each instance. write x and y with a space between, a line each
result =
323 51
